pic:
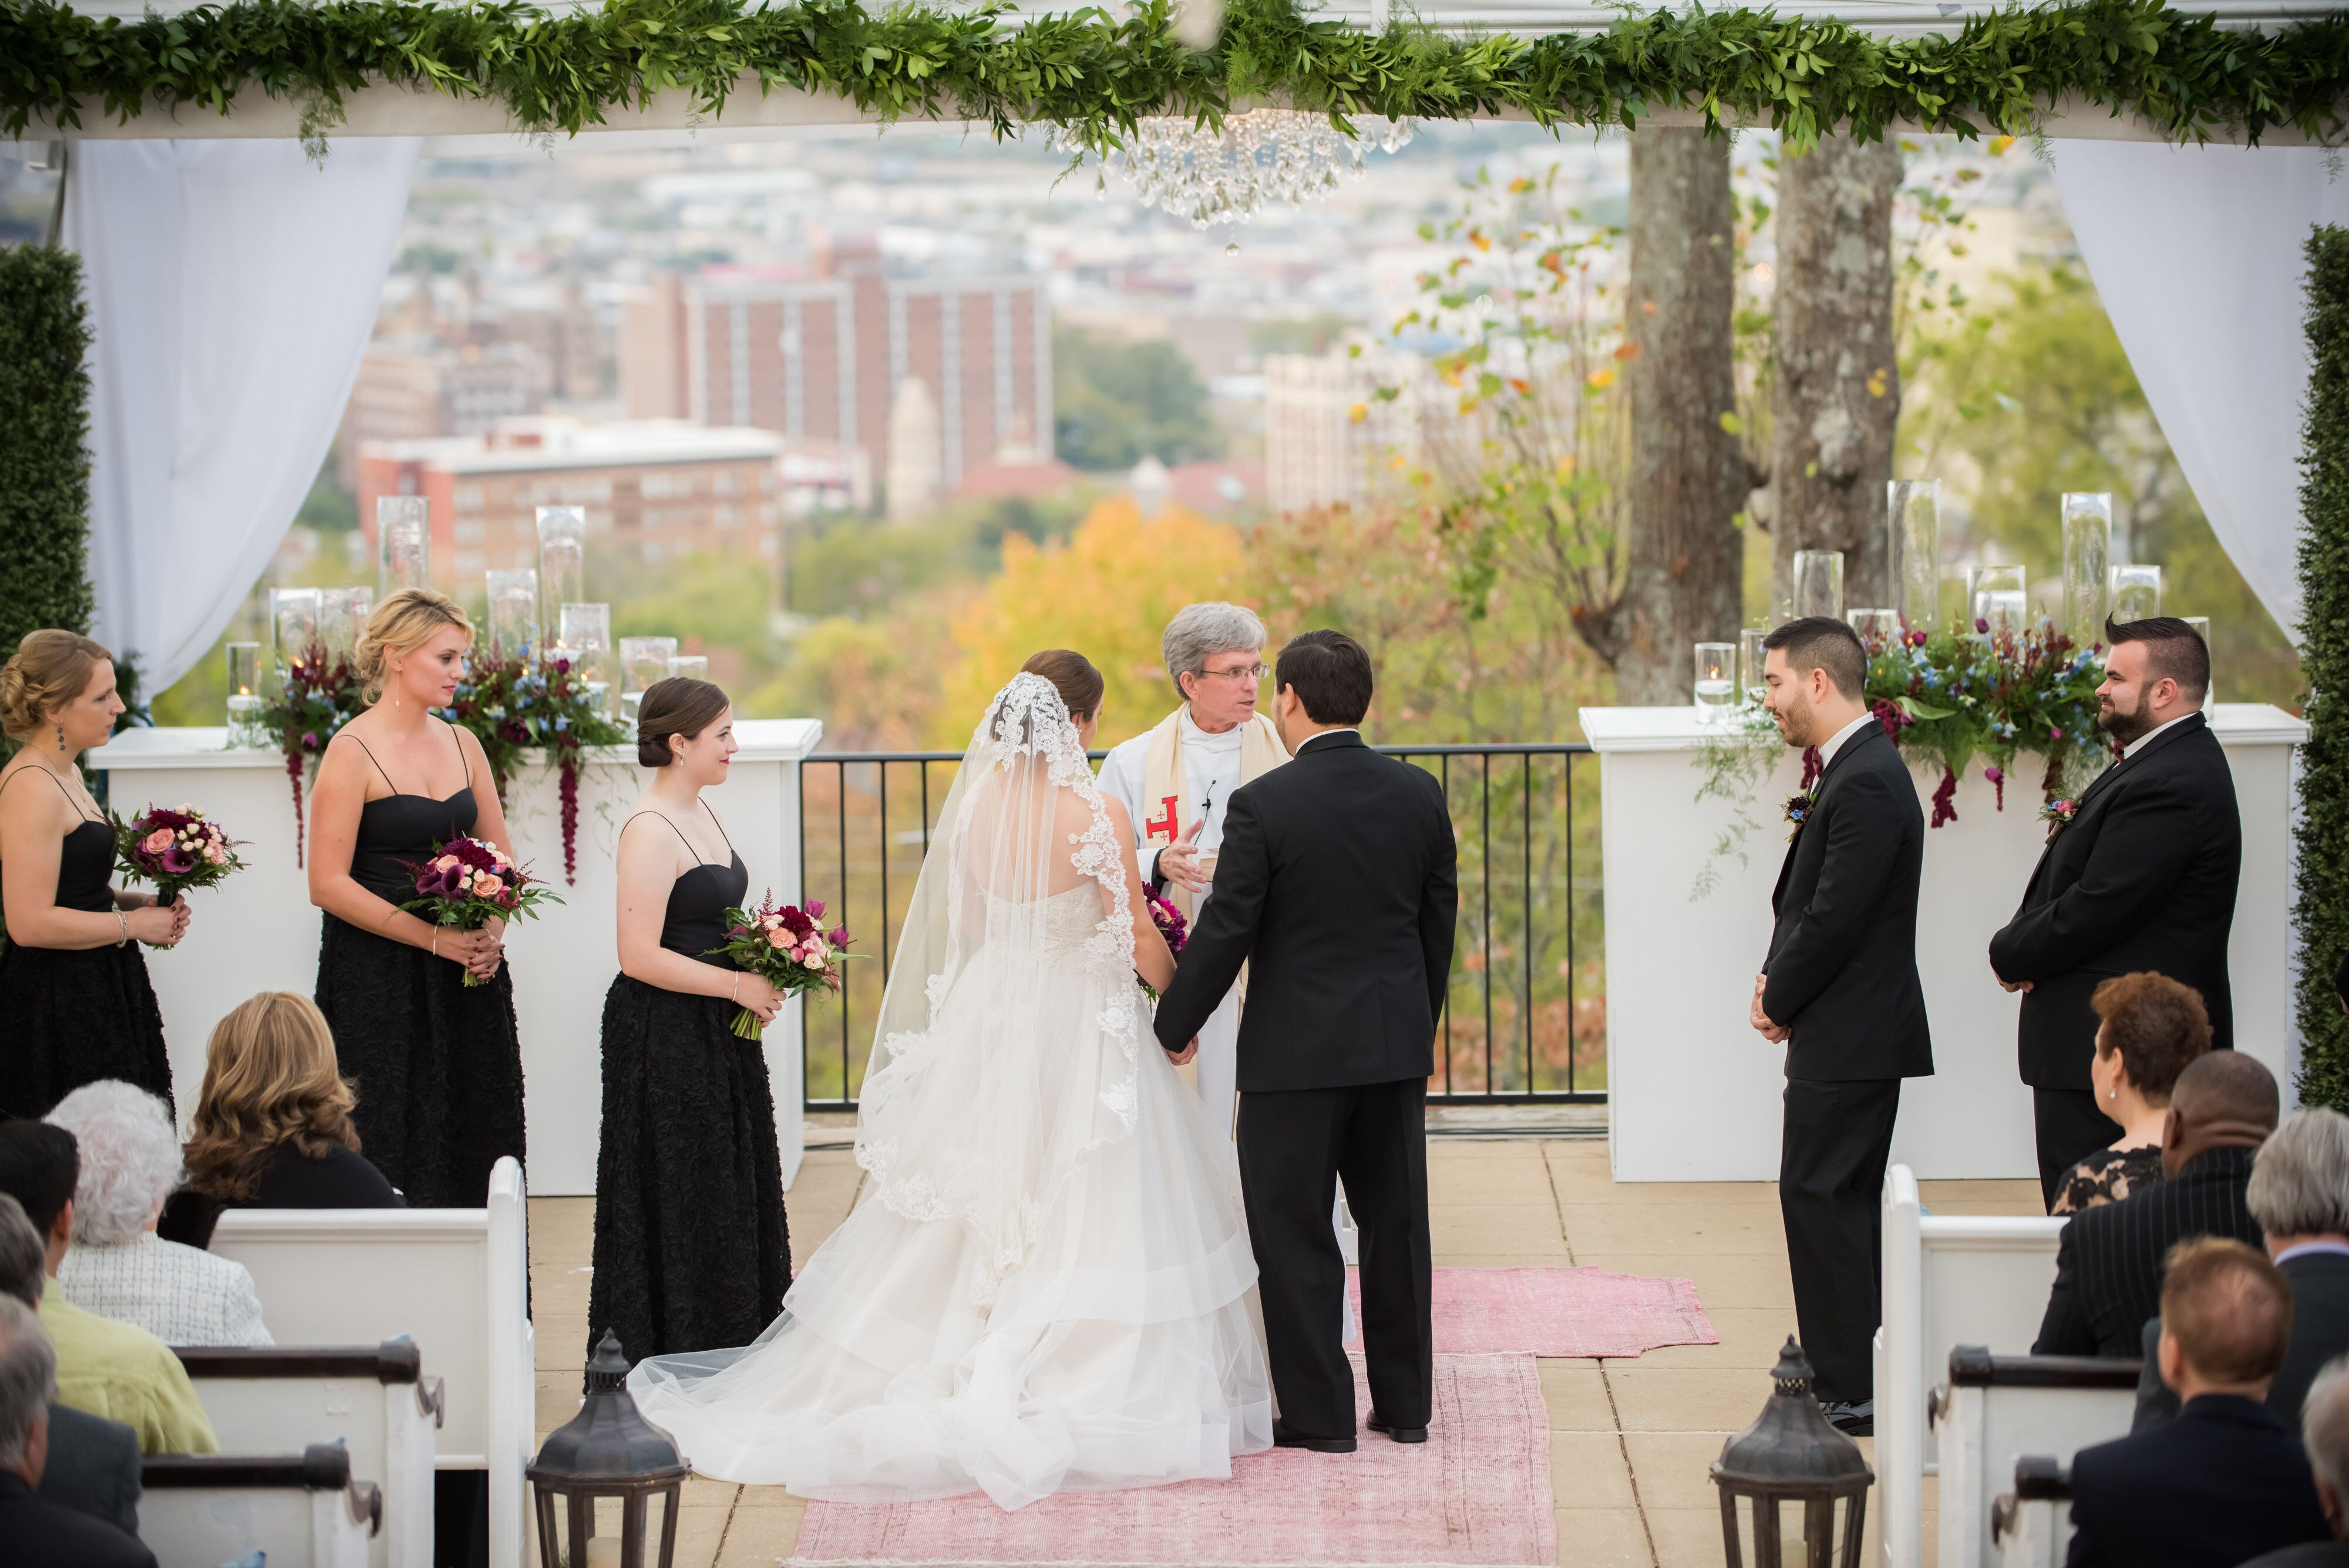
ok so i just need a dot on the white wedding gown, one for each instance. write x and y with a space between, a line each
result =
1046 1283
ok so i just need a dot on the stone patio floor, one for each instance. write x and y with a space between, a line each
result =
1629 1439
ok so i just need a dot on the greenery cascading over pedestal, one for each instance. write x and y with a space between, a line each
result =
43 444
1093 73
2321 911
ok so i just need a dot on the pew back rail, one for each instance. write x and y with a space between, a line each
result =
304 1510
2001 1408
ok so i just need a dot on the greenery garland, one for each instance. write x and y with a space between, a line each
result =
1094 74
2321 904
44 445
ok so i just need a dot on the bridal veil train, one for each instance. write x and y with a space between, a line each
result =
1046 1283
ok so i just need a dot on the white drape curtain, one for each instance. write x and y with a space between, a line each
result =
232 287
2197 252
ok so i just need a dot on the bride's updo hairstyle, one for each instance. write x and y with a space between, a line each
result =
402 624
49 669
1073 676
677 706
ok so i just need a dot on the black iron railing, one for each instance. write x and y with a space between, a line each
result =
1527 1019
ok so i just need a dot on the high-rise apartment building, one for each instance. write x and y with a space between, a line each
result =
1328 435
409 389
824 358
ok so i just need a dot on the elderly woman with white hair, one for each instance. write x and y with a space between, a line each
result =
118 1267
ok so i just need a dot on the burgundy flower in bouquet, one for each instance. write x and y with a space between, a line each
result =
175 849
779 943
467 883
1171 925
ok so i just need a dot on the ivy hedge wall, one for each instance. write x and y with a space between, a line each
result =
43 444
2321 912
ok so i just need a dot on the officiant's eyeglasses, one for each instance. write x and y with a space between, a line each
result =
1259 670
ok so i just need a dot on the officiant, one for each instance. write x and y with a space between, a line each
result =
1177 779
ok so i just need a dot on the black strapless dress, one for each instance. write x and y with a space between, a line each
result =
77 1015
692 1249
438 1064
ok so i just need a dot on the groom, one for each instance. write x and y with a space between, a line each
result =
1337 886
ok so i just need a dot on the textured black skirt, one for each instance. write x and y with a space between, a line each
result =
438 1064
692 1250
75 1017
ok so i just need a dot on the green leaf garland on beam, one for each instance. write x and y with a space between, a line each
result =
1095 74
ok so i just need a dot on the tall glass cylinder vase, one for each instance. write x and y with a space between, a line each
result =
562 559
403 531
514 611
293 615
2087 557
244 694
1751 656
1716 678
1817 587
342 616
2202 627
1913 551
643 660
583 637
690 665
1999 598
2136 592
1877 627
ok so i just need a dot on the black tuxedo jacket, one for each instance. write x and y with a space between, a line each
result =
2143 877
1843 956
93 1468
2320 1331
2109 1259
2222 1483
36 1534
1337 884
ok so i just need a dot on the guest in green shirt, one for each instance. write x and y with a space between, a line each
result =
107 1368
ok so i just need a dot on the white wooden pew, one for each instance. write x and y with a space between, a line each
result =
1949 1280
2031 1526
2000 1409
455 1281
202 1511
376 1401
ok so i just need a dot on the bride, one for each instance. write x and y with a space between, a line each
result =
1046 1283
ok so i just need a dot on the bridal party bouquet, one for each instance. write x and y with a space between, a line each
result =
779 943
175 849
467 883
1171 925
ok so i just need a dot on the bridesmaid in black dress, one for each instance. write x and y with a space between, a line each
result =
75 1005
438 1064
692 1251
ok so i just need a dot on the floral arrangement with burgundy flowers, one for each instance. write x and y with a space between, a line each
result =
1171 925
467 884
175 849
779 943
517 703
318 693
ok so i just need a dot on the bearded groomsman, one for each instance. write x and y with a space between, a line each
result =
1841 990
2141 877
1177 779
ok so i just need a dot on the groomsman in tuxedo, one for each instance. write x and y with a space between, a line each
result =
1337 885
1841 990
2142 877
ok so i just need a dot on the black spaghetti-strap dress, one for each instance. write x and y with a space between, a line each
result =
78 1014
692 1249
438 1064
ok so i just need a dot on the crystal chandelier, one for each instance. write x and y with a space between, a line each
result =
1265 155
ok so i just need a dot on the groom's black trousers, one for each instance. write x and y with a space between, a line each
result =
1295 1145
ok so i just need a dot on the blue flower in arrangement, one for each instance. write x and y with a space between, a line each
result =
561 724
495 711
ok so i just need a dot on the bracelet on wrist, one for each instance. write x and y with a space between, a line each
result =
124 921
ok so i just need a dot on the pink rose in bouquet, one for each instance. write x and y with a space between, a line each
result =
175 849
780 945
468 883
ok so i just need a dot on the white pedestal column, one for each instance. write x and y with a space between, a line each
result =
1694 1094
257 932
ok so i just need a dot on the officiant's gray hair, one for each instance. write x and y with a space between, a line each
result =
1199 632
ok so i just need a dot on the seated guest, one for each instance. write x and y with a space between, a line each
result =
2325 1435
2226 1480
93 1463
36 1533
119 1267
2299 1194
2108 1262
2151 1028
272 1126
104 1367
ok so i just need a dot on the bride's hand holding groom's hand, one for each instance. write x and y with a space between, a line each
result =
1183 1057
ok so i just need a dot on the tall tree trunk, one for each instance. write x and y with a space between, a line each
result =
1838 390
1688 478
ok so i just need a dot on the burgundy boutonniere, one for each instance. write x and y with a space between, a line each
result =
1799 806
2057 814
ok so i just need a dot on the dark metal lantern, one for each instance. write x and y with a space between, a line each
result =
608 1450
1790 1455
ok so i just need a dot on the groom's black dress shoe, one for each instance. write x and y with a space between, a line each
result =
1400 1434
1283 1438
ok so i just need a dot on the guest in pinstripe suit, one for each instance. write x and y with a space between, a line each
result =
2142 877
2108 1264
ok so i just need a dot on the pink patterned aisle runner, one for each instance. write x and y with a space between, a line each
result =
1476 1493
1558 1312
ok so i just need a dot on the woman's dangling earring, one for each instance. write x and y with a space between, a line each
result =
61 740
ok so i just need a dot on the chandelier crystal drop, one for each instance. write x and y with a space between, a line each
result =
1263 156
